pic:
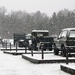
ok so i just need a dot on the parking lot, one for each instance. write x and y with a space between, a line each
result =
16 65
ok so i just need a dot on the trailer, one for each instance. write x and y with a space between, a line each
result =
18 36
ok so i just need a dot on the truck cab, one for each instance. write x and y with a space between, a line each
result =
65 40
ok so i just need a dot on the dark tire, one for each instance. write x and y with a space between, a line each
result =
35 48
29 48
40 47
56 51
63 50
44 49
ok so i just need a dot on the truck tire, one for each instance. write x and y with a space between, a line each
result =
64 52
56 51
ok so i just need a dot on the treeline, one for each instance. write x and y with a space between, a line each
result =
23 22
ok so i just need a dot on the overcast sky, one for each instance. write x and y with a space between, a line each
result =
45 6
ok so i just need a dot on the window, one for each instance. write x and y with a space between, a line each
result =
63 34
40 34
72 33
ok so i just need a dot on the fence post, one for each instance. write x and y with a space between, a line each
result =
25 50
16 47
32 49
67 56
42 52
6 45
10 46
32 52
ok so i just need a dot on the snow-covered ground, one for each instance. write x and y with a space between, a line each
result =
70 65
49 56
16 65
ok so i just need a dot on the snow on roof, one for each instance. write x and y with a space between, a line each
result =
40 31
69 29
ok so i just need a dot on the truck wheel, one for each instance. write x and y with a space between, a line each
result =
56 51
36 48
44 49
63 51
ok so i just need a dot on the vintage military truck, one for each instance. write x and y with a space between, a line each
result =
37 37
65 41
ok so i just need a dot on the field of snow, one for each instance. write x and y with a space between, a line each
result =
70 65
49 56
15 65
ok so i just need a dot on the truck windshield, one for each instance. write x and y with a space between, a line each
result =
72 33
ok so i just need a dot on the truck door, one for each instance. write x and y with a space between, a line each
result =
61 39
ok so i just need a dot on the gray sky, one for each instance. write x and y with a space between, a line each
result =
45 6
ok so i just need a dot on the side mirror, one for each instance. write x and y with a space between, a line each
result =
58 37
